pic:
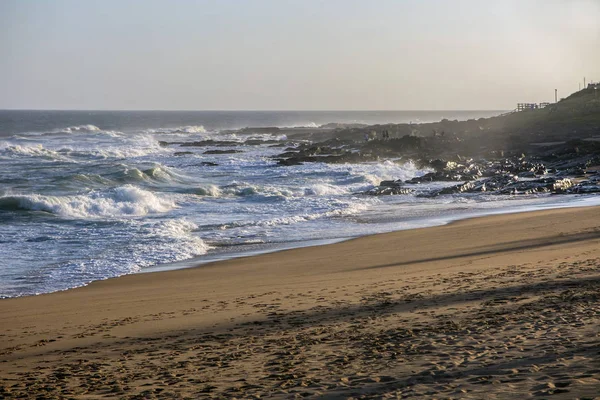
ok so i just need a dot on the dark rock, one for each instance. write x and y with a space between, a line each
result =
267 129
222 151
390 183
584 187
507 184
545 185
460 174
289 162
386 191
387 188
182 153
257 142
494 183
205 143
465 187
208 164
575 172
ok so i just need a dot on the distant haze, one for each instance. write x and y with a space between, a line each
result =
306 55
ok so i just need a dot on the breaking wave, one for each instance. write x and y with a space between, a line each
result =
179 232
80 128
157 174
125 201
133 146
180 129
34 150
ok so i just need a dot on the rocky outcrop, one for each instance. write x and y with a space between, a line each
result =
321 153
387 188
507 184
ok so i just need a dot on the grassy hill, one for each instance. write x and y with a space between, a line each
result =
573 117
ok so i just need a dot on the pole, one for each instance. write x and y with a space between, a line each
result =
556 95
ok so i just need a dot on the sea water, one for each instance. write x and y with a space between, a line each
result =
86 196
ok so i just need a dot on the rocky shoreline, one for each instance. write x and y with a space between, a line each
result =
553 150
571 167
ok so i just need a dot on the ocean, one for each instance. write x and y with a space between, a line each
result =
90 195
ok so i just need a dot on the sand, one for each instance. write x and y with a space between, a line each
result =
497 307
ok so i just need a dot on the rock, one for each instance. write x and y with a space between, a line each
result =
182 153
210 142
289 162
584 187
507 184
465 187
390 183
460 174
222 151
387 188
257 142
386 191
494 183
544 185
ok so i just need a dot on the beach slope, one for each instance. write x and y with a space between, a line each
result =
493 307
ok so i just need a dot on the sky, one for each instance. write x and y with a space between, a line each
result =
294 55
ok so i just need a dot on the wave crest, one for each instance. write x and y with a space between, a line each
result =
32 151
180 232
125 201
80 128
179 129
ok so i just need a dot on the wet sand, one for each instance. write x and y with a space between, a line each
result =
493 307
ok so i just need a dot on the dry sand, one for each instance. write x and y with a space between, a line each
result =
496 307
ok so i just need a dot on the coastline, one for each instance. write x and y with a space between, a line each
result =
417 223
511 298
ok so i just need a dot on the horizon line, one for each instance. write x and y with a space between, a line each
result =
240 110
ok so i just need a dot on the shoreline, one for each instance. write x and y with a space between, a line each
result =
497 305
274 247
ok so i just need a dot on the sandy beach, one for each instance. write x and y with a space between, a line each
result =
497 307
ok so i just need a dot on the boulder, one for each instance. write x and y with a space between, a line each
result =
387 188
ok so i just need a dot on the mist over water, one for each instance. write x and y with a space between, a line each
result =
92 195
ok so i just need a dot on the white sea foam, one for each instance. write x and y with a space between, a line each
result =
71 154
124 201
156 174
336 209
347 209
104 148
31 150
88 128
302 125
365 176
262 191
209 190
180 129
324 189
80 128
184 244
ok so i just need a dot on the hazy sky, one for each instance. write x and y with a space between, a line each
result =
309 55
